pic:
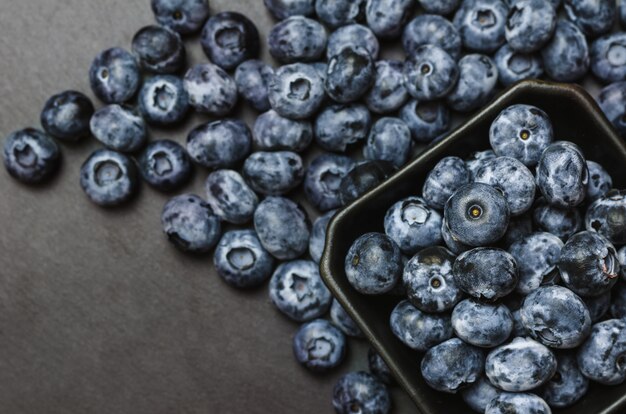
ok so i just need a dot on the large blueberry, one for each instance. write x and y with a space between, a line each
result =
343 321
230 197
592 16
114 76
336 13
360 392
362 178
31 156
558 221
452 365
478 77
562 174
430 73
446 177
389 140
430 29
323 180
517 402
252 78
481 24
379 367
602 357
338 126
482 324
163 100
529 25
386 18
119 128
66 115
426 120
514 66
388 92
159 49
164 165
273 173
219 144
317 241
281 9
296 91
190 224
607 216
567 385
183 16
485 273
319 345
419 330
476 160
600 181
612 101
352 35
211 90
536 255
230 38
273 132
479 394
109 178
282 227
297 39
350 74
566 55
413 225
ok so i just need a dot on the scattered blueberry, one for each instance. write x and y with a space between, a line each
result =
482 324
119 128
164 165
434 30
211 90
114 76
536 255
109 178
281 9
478 77
360 392
190 224
413 225
561 222
230 197
514 66
343 321
388 92
430 73
419 330
230 38
163 100
448 175
612 101
350 74
273 173
252 78
317 240
479 394
323 180
159 49
182 16
530 25
282 227
297 39
600 181
481 24
319 345
386 18
452 365
592 16
338 126
519 403
219 144
273 132
336 13
426 120
378 367
66 115
607 216
296 91
566 55
568 385
31 156
601 357
485 273
362 178
352 35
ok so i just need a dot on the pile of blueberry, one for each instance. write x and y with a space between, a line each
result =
511 277
333 92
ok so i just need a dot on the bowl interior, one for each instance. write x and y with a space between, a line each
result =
575 117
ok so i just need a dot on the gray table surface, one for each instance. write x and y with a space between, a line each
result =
98 313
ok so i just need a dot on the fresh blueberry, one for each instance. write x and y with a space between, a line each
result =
182 16
338 126
219 144
568 385
190 224
598 306
159 49
360 392
562 174
388 92
296 91
281 9
297 39
479 394
514 66
600 181
485 273
430 73
601 357
530 25
343 321
536 255
413 225
482 324
317 240
273 132
612 101
434 30
389 140
164 165
481 24
618 301
442 7
561 222
323 180
66 115
607 216
252 78
519 227
452 365
362 178
31 156
298 291
588 264
119 128
109 178
592 16
373 264
230 38
319 345
477 160
477 215
114 76
451 242
419 330
478 77
519 403
352 35
426 120
448 175
566 55
241 260
163 100
386 18
378 367
350 74
534 365
211 90
282 227
522 132
230 197
336 13
273 173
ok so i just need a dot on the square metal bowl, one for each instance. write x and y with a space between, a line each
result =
575 117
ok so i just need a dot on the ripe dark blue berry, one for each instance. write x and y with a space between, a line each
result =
426 120
566 55
297 39
31 156
338 126
514 66
317 240
413 225
360 392
485 273
109 178
430 73
190 224
352 35
482 324
230 197
343 321
219 144
319 345
114 76
561 222
211 90
529 25
296 91
607 216
273 132
164 165
163 100
448 175
478 76
518 401
281 9
66 115
159 49
537 255
282 227
182 16
452 365
419 330
323 180
230 38
386 18
350 74
252 78
388 92
481 24
601 356
568 385
593 17
273 173
431 29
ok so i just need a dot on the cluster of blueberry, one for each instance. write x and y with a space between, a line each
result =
509 288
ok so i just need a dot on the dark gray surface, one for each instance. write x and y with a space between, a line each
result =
98 313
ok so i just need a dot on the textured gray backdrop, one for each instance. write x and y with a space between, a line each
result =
98 313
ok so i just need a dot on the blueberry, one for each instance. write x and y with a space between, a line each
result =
362 178
452 365
519 227
588 264
323 180
164 165
350 74
273 173
114 76
568 385
592 16
566 55
537 255
159 49
413 225
373 264
109 178
241 260
336 13
297 39
317 240
433 30
298 291
343 321
419 330
600 181
338 126
389 140
514 66
481 24
319 346
448 175
211 90
561 222
252 78
230 38
31 156
386 18
482 324
530 24
190 224
360 392
478 77
163 100
598 306
219 144
282 227
352 35
479 394
607 216
230 197
430 73
442 7
534 365
281 9
451 241
183 16
273 132
519 403
296 91
601 356
485 273
612 101
562 174
119 128
477 160
66 115
426 120
378 367
388 92
477 215
522 132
